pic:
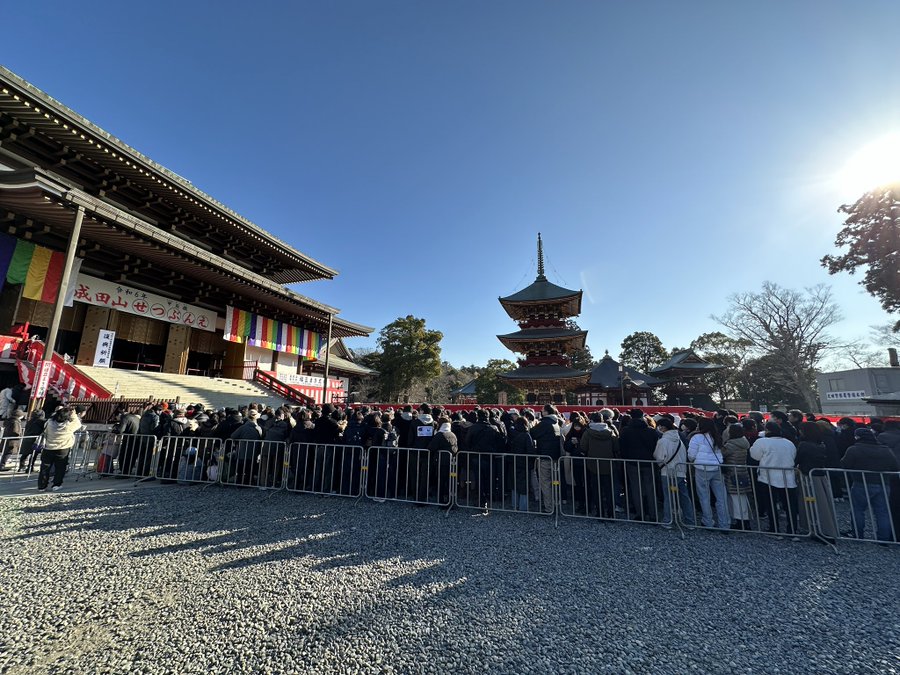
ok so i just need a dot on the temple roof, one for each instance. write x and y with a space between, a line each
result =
547 372
606 375
468 389
686 363
529 334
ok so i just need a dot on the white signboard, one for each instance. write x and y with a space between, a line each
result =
98 292
43 379
103 353
844 395
307 380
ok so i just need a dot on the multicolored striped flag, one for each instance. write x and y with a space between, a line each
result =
38 268
258 331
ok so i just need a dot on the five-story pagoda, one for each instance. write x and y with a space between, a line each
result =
544 337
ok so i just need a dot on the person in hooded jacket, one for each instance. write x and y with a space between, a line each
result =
547 437
845 438
59 439
600 446
637 443
327 435
572 469
670 454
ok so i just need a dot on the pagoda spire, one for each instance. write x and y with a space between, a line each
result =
540 274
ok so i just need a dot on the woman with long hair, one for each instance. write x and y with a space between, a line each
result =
705 451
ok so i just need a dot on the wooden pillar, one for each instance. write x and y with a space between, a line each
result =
95 320
177 347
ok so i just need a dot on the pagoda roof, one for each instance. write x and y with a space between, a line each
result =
686 363
529 334
546 372
541 290
606 375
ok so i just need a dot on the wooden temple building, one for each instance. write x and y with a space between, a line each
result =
614 384
172 279
544 338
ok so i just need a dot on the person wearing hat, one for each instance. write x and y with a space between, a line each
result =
869 460
421 431
240 462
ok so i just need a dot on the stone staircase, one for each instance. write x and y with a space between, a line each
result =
212 392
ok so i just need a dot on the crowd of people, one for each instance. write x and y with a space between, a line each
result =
726 471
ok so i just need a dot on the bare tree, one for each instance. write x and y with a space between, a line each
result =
790 327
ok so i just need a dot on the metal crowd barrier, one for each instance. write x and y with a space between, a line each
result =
614 489
501 481
320 469
872 513
251 463
414 475
128 456
744 498
20 454
187 459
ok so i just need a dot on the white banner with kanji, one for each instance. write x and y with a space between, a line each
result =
100 293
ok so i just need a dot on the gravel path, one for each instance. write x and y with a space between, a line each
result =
176 579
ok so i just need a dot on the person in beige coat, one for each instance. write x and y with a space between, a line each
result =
59 439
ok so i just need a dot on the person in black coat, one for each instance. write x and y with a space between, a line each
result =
33 429
521 443
421 431
442 447
637 442
128 427
548 441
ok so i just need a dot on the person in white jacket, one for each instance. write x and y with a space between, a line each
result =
705 451
777 457
671 455
59 439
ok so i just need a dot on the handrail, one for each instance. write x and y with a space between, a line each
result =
36 354
281 388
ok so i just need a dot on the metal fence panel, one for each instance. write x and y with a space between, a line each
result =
414 475
322 469
503 481
872 512
258 464
19 455
616 489
127 456
188 459
744 498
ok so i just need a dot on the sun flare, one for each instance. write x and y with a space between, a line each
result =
877 163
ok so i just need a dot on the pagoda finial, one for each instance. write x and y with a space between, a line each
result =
540 275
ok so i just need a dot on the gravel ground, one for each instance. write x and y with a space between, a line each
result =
173 579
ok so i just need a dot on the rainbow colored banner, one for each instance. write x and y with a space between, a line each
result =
38 268
258 331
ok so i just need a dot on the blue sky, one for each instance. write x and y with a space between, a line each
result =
671 153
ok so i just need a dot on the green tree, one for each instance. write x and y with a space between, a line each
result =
788 326
871 234
643 351
408 352
716 347
761 382
489 385
580 359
